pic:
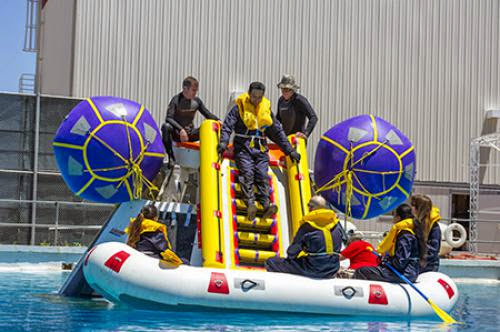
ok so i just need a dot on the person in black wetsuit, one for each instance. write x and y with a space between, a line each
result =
294 110
252 122
315 247
181 111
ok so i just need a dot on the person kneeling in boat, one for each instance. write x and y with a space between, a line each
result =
314 250
252 121
147 235
402 248
358 252
419 203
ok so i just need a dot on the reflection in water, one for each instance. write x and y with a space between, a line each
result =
29 302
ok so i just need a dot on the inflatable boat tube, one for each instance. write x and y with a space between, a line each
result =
122 274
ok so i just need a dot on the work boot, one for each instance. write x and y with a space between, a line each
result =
270 211
251 211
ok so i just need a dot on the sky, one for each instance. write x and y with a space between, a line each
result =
13 60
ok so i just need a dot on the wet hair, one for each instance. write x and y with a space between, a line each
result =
256 86
189 81
422 222
147 212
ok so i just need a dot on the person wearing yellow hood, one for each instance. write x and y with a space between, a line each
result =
403 248
147 235
252 122
432 230
314 250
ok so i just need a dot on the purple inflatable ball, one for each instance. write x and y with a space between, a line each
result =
108 149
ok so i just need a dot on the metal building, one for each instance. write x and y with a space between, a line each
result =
429 67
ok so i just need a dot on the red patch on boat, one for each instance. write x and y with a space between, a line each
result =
377 295
116 261
447 288
218 283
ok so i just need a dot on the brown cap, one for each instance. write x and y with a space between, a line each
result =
288 82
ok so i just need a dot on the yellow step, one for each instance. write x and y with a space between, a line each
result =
254 256
256 224
241 205
256 239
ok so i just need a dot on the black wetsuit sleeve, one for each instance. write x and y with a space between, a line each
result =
309 113
296 247
337 238
277 135
205 112
172 108
228 125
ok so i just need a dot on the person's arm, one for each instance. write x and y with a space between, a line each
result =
172 107
351 250
205 112
277 135
228 126
434 242
309 113
296 247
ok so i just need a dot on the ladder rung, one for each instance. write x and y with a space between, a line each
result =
256 224
256 239
254 256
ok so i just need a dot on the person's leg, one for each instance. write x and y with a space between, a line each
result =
194 135
369 273
262 183
277 264
245 165
166 134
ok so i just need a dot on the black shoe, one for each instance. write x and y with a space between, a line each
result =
251 211
270 211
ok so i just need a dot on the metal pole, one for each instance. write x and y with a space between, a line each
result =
56 229
473 193
36 146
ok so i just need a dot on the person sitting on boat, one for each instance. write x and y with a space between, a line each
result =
432 229
314 250
401 248
181 111
358 252
147 235
252 121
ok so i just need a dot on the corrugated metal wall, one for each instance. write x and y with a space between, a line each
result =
429 67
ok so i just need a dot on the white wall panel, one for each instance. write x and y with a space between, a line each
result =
429 67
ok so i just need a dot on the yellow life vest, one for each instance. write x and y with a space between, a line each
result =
388 244
149 226
435 216
254 118
324 220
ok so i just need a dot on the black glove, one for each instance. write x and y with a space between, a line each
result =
295 156
221 147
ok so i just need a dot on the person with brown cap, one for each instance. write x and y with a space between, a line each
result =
294 109
181 111
316 245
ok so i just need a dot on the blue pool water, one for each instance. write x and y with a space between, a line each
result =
29 302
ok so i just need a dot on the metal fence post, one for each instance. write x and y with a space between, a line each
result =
56 228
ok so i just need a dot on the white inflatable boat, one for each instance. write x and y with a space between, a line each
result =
122 274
